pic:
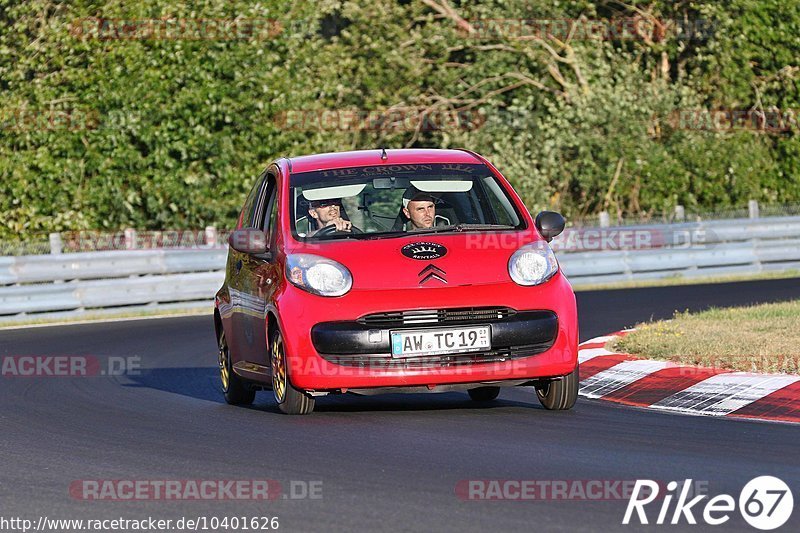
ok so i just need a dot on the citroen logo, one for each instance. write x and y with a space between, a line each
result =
432 272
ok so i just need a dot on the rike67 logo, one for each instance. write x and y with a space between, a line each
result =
765 503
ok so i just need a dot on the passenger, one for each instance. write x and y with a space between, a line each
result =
420 208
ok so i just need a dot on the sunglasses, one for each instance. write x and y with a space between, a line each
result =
325 203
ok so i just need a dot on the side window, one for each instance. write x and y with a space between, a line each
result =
246 216
267 208
500 204
273 215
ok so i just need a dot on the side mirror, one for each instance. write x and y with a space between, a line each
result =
550 224
250 241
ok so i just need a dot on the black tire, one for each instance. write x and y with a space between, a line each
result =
559 394
484 394
236 391
290 400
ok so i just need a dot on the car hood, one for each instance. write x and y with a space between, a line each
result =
429 261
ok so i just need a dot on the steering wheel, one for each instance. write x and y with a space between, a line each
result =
330 230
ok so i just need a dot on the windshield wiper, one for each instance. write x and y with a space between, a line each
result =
460 228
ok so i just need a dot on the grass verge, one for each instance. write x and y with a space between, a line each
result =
762 338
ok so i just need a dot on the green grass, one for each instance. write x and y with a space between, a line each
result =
761 338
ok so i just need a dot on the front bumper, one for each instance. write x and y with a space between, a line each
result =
366 342
537 340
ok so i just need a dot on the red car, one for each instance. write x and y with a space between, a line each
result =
393 270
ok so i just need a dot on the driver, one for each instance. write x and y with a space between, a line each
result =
419 207
328 213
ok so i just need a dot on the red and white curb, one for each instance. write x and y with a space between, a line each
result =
668 386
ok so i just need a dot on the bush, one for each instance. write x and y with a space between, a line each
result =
169 134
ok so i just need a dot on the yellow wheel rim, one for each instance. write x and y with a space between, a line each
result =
224 373
278 369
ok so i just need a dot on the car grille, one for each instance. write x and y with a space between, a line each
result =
436 316
383 362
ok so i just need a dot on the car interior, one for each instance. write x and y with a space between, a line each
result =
377 204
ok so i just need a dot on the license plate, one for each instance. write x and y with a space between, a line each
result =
421 342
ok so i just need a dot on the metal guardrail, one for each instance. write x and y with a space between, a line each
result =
699 249
109 293
589 268
77 283
101 265
74 284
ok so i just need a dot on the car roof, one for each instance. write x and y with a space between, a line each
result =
359 158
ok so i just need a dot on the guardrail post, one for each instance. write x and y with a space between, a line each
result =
56 244
752 207
130 239
211 236
605 219
680 213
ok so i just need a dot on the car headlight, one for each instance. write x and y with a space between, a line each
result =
533 264
318 275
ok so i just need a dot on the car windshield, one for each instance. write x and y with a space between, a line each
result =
391 200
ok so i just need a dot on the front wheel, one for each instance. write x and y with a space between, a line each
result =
290 400
559 394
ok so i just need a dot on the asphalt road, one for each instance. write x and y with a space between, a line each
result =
384 463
